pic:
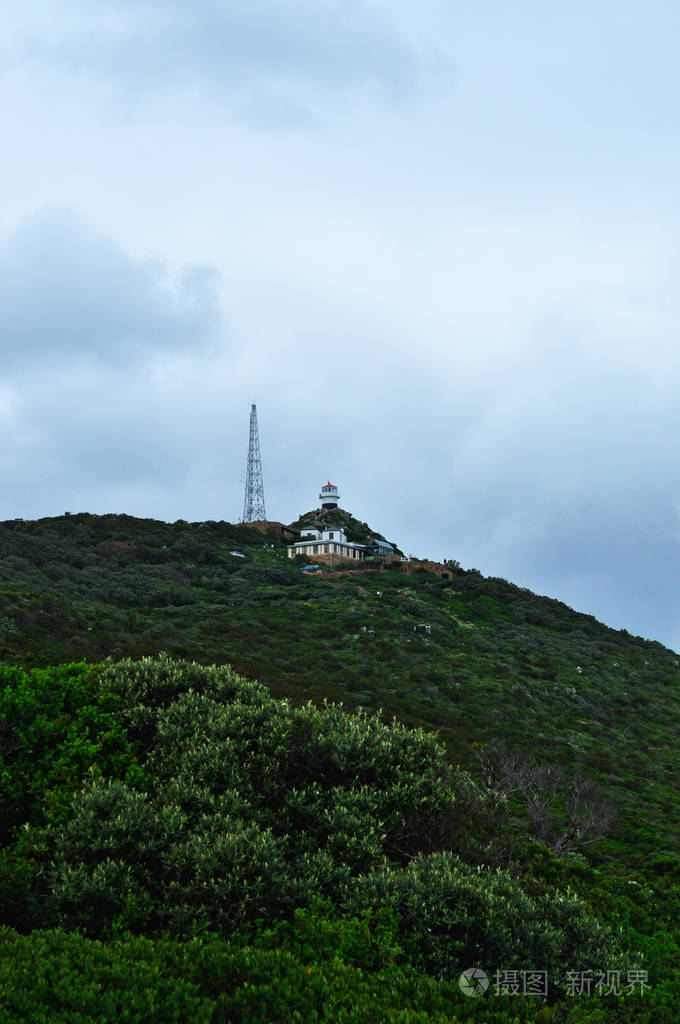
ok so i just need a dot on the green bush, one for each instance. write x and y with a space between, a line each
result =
453 916
312 970
57 726
253 808
61 978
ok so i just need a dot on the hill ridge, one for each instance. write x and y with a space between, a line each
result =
477 658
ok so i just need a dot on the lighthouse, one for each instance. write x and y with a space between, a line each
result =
328 496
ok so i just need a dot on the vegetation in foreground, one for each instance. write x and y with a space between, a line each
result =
186 847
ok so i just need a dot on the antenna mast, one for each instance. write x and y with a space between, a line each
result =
253 506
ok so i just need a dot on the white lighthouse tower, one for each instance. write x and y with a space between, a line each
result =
328 496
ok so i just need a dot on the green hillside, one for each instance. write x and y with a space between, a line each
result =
478 659
353 847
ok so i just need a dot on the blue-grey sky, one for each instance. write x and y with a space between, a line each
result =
436 243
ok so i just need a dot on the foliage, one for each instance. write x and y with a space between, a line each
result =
252 806
167 799
498 662
57 726
452 913
314 970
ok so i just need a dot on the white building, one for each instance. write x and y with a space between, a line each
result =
326 545
328 496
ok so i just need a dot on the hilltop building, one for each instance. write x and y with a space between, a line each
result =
379 549
329 496
325 542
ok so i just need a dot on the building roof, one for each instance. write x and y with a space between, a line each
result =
375 543
317 540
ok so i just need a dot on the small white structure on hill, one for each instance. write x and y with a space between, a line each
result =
327 543
328 496
324 543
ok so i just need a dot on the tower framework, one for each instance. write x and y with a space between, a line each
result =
253 505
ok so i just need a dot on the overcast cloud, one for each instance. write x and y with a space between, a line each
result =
436 243
67 293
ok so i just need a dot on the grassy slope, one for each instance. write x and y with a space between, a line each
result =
497 663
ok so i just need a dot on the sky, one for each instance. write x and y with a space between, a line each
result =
436 242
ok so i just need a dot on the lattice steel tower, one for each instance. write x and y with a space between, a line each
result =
253 506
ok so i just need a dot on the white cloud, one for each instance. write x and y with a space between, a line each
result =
68 292
269 50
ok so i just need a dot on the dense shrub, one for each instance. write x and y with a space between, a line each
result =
455 916
61 978
312 970
195 803
254 807
57 726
